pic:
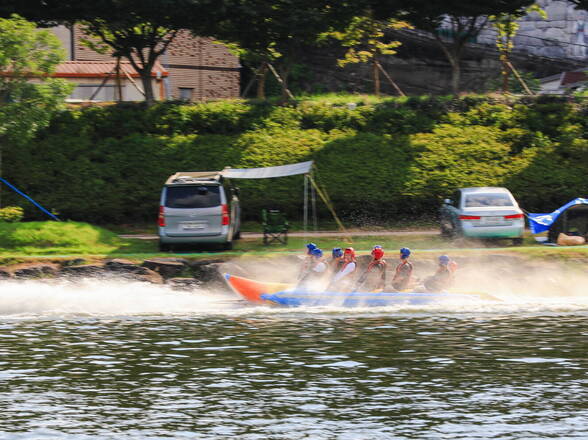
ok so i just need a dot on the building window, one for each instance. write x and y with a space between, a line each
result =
83 92
186 93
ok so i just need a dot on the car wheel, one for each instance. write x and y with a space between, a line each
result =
228 246
163 247
237 235
517 241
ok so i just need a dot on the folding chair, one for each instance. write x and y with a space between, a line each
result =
275 226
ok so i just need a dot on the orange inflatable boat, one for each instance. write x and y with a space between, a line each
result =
252 290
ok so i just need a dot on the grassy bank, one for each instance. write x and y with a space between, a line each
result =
54 240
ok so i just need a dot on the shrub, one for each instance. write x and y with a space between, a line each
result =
11 214
388 158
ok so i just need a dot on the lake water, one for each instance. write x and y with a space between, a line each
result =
111 360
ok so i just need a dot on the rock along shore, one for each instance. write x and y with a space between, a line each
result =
179 273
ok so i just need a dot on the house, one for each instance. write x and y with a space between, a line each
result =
564 83
191 69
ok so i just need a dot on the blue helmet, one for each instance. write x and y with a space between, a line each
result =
404 253
316 252
444 260
377 246
310 247
337 252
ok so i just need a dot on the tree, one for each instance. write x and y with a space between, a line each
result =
27 55
137 30
365 39
453 23
506 26
278 31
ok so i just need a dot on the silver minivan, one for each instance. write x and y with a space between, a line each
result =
198 208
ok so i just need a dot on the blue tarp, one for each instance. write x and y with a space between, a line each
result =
542 222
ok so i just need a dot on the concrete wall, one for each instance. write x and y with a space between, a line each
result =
564 34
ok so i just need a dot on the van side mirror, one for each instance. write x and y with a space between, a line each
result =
448 202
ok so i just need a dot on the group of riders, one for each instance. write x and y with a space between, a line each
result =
340 272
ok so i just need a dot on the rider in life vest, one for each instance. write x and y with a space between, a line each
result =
403 274
307 262
342 279
316 271
375 273
336 261
443 277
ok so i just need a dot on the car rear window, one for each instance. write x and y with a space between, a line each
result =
483 200
202 196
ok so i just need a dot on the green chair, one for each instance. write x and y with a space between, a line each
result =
275 226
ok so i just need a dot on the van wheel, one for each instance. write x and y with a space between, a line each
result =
517 241
163 247
237 235
228 246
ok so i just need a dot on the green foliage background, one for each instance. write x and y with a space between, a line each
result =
392 159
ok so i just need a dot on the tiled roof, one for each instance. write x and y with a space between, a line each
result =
100 69
573 77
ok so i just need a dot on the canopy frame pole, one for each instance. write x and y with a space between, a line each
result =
313 204
305 212
327 202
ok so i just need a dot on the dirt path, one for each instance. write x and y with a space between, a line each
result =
309 234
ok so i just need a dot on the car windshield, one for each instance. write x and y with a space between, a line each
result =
483 200
193 196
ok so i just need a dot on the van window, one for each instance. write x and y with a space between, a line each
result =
482 200
201 196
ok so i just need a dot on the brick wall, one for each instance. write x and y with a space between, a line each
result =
196 63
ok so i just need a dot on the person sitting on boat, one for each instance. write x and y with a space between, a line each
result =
403 273
443 277
316 271
342 279
336 261
374 277
307 262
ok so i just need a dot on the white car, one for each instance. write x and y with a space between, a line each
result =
483 212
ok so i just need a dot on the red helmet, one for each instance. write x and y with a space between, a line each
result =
378 253
349 252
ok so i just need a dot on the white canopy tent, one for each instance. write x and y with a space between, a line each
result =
310 186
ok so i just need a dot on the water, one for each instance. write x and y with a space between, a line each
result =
131 361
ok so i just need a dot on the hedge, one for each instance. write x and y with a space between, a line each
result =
399 157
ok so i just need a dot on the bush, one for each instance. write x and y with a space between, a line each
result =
393 157
11 214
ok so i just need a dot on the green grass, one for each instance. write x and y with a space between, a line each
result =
61 238
57 239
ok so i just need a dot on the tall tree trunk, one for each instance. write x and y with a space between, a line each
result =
284 73
2 140
455 76
376 74
261 75
505 76
147 86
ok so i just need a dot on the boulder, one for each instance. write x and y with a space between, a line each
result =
87 270
36 270
125 266
166 267
183 283
148 276
207 271
73 262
